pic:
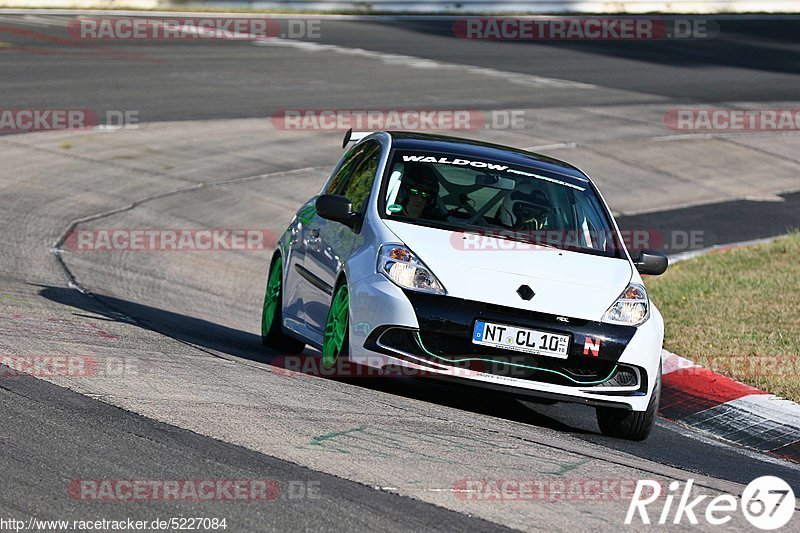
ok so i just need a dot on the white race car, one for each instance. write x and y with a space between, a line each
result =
472 262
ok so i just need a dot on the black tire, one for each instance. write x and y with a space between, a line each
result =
630 425
274 337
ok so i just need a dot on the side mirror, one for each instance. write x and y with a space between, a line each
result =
653 263
338 209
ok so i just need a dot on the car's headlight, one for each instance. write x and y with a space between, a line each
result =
631 308
401 266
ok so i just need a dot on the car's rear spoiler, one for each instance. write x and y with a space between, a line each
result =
354 136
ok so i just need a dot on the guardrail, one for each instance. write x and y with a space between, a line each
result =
534 6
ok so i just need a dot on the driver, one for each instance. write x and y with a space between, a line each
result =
418 191
526 208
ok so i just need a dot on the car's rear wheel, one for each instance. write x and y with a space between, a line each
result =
336 338
272 334
631 425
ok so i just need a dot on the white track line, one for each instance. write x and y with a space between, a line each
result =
31 20
516 78
45 21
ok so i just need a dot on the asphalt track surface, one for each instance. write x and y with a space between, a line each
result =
200 399
749 61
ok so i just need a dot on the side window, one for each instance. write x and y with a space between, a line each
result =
349 161
360 182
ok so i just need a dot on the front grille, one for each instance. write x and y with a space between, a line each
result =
447 323
455 351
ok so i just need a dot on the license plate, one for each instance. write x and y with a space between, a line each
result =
525 340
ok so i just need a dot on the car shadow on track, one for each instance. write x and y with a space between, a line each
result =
241 344
764 44
665 446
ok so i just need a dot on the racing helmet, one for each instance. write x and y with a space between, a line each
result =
526 207
419 179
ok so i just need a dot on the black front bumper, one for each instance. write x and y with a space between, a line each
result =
445 338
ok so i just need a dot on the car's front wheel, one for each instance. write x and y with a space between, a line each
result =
272 334
631 425
336 338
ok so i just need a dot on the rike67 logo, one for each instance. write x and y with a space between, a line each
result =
767 503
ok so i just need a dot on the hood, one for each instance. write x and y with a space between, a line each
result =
565 283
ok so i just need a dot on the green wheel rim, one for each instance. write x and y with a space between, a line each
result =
335 327
272 297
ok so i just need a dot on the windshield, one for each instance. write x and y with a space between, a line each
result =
460 193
